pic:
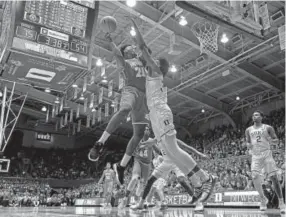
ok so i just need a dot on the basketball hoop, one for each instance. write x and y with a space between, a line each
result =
207 33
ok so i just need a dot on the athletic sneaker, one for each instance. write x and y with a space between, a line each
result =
122 204
207 189
263 204
197 193
119 170
98 151
199 207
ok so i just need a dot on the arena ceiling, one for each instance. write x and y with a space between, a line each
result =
250 66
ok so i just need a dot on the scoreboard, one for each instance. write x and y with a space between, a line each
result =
49 41
60 29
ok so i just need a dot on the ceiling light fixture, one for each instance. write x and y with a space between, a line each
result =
74 86
237 98
44 109
81 97
203 111
93 110
47 90
131 3
173 69
1 94
224 39
183 21
132 31
99 62
57 101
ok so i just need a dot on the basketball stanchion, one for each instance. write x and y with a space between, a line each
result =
8 118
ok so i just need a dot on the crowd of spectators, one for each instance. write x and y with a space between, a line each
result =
230 162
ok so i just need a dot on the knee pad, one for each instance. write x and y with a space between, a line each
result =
255 175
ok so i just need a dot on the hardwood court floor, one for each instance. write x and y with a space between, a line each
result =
114 212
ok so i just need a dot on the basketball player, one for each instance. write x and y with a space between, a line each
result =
141 168
259 137
161 118
132 100
109 177
163 167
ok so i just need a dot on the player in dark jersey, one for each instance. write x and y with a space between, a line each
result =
141 168
109 177
132 100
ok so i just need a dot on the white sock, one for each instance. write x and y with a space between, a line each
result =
125 160
104 137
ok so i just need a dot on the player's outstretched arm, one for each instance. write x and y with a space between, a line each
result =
143 47
117 53
247 139
191 149
273 135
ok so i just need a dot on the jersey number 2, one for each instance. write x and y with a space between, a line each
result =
258 138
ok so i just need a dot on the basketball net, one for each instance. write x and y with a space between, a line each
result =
207 33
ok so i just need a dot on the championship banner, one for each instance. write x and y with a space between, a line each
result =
264 16
115 104
100 95
121 82
91 104
93 118
106 109
99 114
110 88
84 84
88 121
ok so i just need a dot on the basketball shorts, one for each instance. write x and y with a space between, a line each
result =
107 188
163 170
142 169
161 118
134 98
264 161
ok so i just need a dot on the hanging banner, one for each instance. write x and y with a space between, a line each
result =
100 97
99 114
91 104
281 34
66 119
47 116
53 111
78 125
88 121
102 71
57 126
56 110
106 109
264 16
84 84
77 111
92 77
62 104
85 105
110 88
75 93
61 122
73 128
71 116
95 102
115 104
121 82
93 118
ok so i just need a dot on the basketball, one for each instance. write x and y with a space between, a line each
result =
108 24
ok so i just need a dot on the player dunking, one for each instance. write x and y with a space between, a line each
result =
161 118
109 177
132 100
258 141
141 168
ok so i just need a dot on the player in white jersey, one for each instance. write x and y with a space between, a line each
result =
161 118
259 138
161 172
